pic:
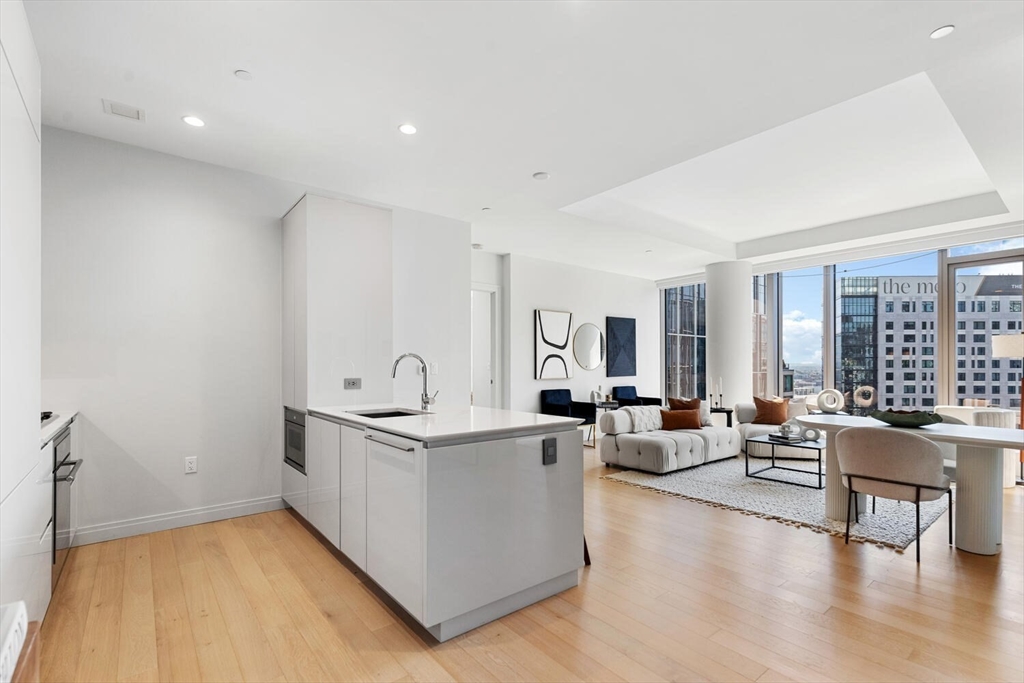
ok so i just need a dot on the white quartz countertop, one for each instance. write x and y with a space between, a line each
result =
58 421
450 424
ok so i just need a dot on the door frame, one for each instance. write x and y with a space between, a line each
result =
497 356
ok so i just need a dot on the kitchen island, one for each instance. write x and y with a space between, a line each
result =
462 515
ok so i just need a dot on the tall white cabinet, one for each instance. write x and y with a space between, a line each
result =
336 303
337 326
26 494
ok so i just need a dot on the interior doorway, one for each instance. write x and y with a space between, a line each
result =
485 353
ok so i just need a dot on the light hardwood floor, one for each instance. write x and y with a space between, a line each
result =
677 591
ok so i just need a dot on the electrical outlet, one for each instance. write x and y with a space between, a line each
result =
191 464
433 368
353 383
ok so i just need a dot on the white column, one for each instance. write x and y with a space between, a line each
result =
730 344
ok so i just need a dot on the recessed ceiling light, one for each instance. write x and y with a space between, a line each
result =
943 31
407 128
649 251
477 245
541 175
486 208
193 121
243 75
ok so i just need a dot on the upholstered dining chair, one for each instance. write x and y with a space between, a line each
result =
895 464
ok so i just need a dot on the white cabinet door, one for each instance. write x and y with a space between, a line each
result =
26 541
324 484
313 464
294 489
500 520
288 237
20 282
352 536
394 518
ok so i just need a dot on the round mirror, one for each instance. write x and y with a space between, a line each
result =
588 346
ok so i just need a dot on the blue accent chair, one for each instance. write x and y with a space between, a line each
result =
559 402
626 396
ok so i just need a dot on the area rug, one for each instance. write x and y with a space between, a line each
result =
724 484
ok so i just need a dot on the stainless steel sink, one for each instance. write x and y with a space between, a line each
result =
389 412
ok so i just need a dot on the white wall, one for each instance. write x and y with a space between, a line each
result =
349 301
162 288
162 325
590 296
431 260
487 268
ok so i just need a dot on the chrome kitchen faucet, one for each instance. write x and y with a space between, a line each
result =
426 400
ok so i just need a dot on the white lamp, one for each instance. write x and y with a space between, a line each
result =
1011 346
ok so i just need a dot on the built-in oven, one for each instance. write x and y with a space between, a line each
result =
295 439
65 469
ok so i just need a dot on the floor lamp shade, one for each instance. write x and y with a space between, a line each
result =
1008 345
1011 346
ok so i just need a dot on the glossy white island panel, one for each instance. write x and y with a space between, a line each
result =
462 522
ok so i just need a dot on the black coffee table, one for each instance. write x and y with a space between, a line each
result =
818 445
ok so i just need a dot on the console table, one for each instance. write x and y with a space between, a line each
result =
979 475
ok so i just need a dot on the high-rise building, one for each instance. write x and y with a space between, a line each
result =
886 352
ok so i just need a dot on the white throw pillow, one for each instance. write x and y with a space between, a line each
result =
705 413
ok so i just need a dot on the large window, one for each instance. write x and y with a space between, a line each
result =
988 298
685 350
874 298
871 329
762 338
802 370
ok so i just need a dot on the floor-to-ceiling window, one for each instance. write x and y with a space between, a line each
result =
802 324
685 349
762 331
988 305
888 347
886 314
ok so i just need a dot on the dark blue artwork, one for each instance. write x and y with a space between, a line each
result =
621 333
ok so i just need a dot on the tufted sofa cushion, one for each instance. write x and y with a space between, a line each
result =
660 450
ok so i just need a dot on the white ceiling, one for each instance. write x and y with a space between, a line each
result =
893 148
599 94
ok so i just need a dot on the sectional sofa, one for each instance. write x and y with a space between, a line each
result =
633 438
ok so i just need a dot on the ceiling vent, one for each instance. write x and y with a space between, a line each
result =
124 110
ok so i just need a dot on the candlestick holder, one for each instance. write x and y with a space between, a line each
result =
719 400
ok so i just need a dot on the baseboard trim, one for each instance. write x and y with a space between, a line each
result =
98 533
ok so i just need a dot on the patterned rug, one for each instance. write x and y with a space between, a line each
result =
724 484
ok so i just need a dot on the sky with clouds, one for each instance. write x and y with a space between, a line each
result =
802 291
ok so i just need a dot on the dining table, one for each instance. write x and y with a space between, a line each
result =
978 507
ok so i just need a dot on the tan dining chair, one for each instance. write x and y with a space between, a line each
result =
895 464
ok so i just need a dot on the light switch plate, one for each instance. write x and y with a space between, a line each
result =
353 383
550 451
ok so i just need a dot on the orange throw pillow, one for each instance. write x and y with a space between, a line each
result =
680 419
773 412
684 404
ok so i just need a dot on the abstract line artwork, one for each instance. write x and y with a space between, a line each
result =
551 335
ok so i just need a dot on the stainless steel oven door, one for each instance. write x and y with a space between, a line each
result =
64 479
295 440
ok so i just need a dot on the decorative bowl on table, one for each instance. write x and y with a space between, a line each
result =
911 419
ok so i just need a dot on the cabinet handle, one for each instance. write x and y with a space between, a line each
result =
410 449
70 476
